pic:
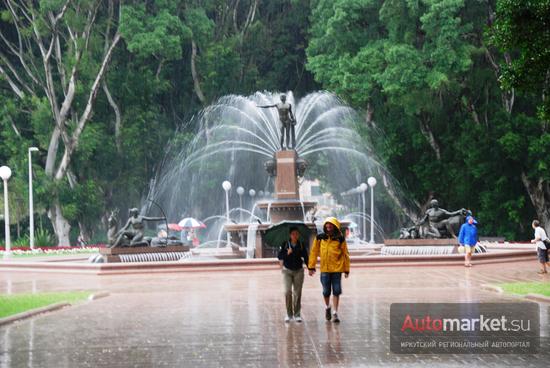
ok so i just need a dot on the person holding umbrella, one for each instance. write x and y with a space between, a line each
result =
332 248
188 227
292 257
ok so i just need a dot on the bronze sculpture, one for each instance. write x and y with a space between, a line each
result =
287 120
132 233
436 223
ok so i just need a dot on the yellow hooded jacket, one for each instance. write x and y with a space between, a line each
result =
334 254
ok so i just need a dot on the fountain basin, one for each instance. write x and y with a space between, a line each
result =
419 246
504 254
126 254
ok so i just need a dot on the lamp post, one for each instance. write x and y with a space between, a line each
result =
5 174
226 185
31 204
372 182
240 192
362 189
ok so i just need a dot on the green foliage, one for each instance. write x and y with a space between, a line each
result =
21 242
521 29
43 238
422 70
201 26
153 31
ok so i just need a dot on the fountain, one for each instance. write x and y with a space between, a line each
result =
239 142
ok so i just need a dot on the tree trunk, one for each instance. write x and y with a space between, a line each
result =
118 118
411 210
428 134
539 192
194 74
85 232
61 226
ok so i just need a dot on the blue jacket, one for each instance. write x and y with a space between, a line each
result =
468 234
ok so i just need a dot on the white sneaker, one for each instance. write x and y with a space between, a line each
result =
287 319
298 319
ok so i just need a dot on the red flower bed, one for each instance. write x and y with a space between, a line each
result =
57 248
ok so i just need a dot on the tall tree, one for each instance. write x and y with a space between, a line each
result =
423 74
117 80
521 30
54 51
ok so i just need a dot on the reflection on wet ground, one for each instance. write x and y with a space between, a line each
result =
235 319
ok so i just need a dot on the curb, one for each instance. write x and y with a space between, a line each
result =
98 295
33 312
256 264
496 289
538 298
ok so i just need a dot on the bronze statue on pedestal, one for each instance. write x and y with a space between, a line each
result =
287 120
437 223
132 233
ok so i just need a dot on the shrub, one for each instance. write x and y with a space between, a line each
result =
21 242
42 238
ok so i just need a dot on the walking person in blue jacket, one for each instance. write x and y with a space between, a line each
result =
467 237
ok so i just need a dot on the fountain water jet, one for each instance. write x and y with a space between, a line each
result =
234 141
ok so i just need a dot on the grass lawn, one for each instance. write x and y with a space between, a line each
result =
523 288
17 303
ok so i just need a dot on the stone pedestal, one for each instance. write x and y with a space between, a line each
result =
286 183
286 206
290 210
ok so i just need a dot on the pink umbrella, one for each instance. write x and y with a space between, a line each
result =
175 227
191 223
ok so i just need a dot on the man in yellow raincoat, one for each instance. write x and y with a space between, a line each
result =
332 248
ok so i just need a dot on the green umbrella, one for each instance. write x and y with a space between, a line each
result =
279 233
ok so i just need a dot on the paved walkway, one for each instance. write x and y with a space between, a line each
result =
235 319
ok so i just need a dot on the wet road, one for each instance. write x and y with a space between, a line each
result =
235 319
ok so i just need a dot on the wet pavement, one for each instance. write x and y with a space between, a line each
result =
235 319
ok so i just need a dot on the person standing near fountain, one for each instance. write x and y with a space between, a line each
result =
540 240
286 117
332 248
292 257
467 237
